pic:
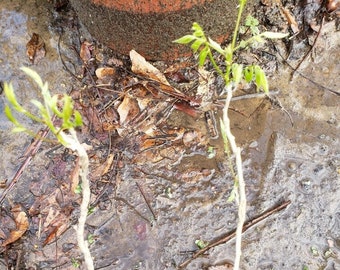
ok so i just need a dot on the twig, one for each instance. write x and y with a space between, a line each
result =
147 201
231 235
29 154
255 95
63 62
310 50
304 76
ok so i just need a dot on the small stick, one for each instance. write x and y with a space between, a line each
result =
29 154
147 202
310 50
232 234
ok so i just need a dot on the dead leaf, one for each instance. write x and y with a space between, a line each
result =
186 108
128 109
333 5
142 67
103 168
35 48
86 49
104 72
22 224
159 82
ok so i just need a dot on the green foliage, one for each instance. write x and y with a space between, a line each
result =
201 244
75 263
234 73
90 239
58 106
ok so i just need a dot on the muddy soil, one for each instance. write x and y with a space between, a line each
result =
151 202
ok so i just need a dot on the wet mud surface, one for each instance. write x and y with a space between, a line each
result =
153 197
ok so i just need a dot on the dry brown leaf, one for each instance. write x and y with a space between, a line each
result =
333 5
142 67
160 83
128 109
86 49
35 48
22 224
103 168
104 72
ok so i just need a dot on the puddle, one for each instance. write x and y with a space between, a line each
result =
189 193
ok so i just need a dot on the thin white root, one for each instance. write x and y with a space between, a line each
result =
74 144
241 184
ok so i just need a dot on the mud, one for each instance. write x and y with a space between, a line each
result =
290 152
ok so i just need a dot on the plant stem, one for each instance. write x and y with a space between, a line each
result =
211 57
238 22
241 185
72 142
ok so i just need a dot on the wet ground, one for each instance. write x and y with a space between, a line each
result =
290 152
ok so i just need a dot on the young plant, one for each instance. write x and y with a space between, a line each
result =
233 74
69 119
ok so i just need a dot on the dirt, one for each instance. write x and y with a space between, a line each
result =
158 196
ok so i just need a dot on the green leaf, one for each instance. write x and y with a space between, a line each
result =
34 75
261 79
19 129
196 27
216 46
251 21
38 104
10 116
185 39
197 44
248 73
9 93
201 244
232 196
273 35
77 119
258 38
67 110
198 31
202 56
228 55
54 106
236 71
254 30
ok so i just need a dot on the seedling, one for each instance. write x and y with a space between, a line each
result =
60 107
233 74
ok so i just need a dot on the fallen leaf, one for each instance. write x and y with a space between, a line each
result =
22 224
159 82
103 168
142 67
128 109
86 49
186 108
35 48
104 72
333 5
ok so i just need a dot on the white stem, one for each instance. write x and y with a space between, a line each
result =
73 143
241 185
